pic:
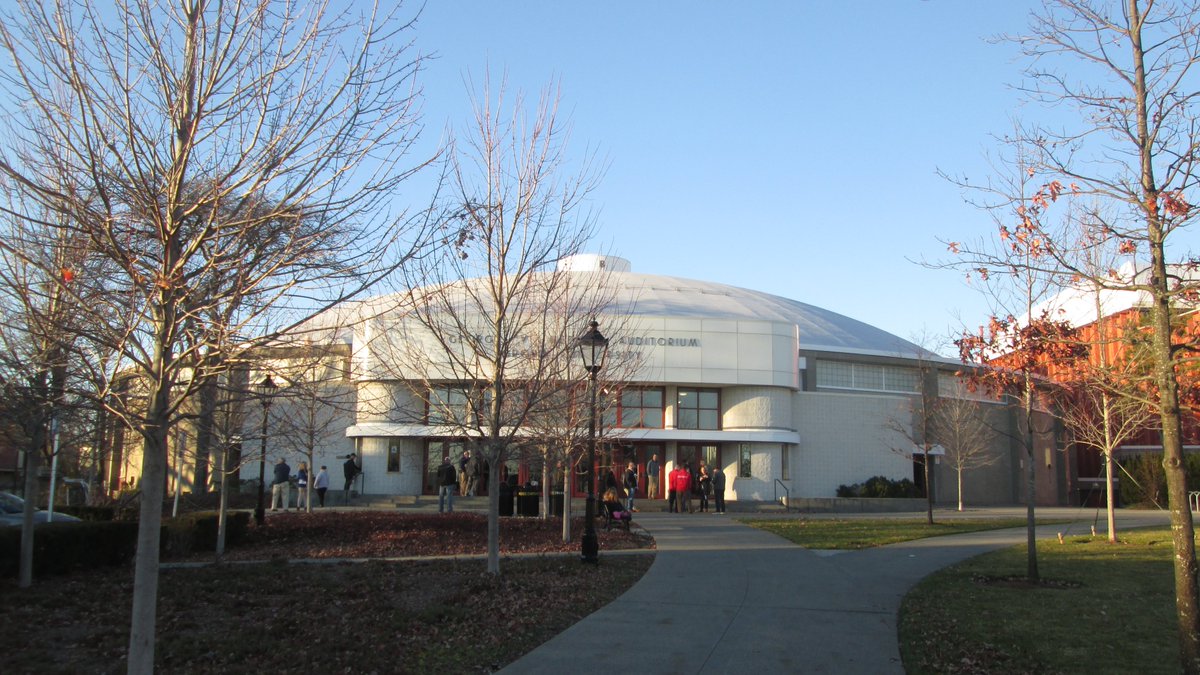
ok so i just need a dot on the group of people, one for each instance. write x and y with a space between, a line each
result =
283 478
469 476
704 484
683 484
281 484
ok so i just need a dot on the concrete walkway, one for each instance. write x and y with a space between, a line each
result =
724 597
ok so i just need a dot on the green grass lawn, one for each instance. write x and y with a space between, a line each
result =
1103 608
856 533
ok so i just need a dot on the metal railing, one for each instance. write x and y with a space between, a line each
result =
787 495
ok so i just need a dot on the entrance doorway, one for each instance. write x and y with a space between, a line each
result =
694 454
434 452
612 458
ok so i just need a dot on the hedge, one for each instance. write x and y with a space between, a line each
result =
59 548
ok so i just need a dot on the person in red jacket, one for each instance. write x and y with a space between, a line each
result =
681 483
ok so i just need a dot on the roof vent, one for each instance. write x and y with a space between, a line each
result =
592 262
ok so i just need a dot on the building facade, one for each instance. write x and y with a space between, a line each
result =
787 398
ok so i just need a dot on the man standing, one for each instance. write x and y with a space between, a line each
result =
279 486
652 470
464 478
472 469
447 479
631 483
350 470
718 485
322 484
681 482
673 496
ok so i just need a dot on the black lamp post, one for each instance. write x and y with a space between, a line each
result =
266 389
593 347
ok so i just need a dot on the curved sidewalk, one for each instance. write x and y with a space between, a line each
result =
725 597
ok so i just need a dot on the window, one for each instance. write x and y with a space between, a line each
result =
867 376
744 460
393 457
640 409
698 409
785 469
950 385
447 404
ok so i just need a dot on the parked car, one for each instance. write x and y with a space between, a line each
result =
12 510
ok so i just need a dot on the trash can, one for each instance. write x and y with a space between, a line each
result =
556 504
527 503
506 499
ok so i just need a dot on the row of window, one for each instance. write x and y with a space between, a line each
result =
633 409
867 376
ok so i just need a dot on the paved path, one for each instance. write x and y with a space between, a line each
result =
724 597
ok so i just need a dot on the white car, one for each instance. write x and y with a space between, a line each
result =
12 510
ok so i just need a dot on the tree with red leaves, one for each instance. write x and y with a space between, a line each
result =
1126 161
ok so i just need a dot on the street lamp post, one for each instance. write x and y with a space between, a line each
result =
266 389
593 347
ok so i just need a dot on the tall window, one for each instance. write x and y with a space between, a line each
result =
393 457
641 409
448 404
744 461
698 409
785 470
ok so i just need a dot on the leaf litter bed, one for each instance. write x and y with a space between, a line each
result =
372 617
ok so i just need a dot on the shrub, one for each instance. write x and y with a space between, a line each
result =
198 531
1143 481
62 547
879 487
91 513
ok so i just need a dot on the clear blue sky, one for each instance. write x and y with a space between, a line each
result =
788 146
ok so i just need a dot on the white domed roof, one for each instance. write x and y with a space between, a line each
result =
676 297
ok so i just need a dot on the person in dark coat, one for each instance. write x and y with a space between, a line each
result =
718 485
281 485
350 470
447 479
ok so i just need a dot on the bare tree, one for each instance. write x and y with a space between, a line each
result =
484 342
37 351
1108 399
961 427
917 431
314 400
234 164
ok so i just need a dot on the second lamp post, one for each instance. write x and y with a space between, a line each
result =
593 347
266 389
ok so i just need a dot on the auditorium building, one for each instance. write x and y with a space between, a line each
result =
791 400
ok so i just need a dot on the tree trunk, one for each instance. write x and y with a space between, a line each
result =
493 519
145 573
1031 563
928 489
959 472
1182 528
223 507
566 512
1110 495
33 456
